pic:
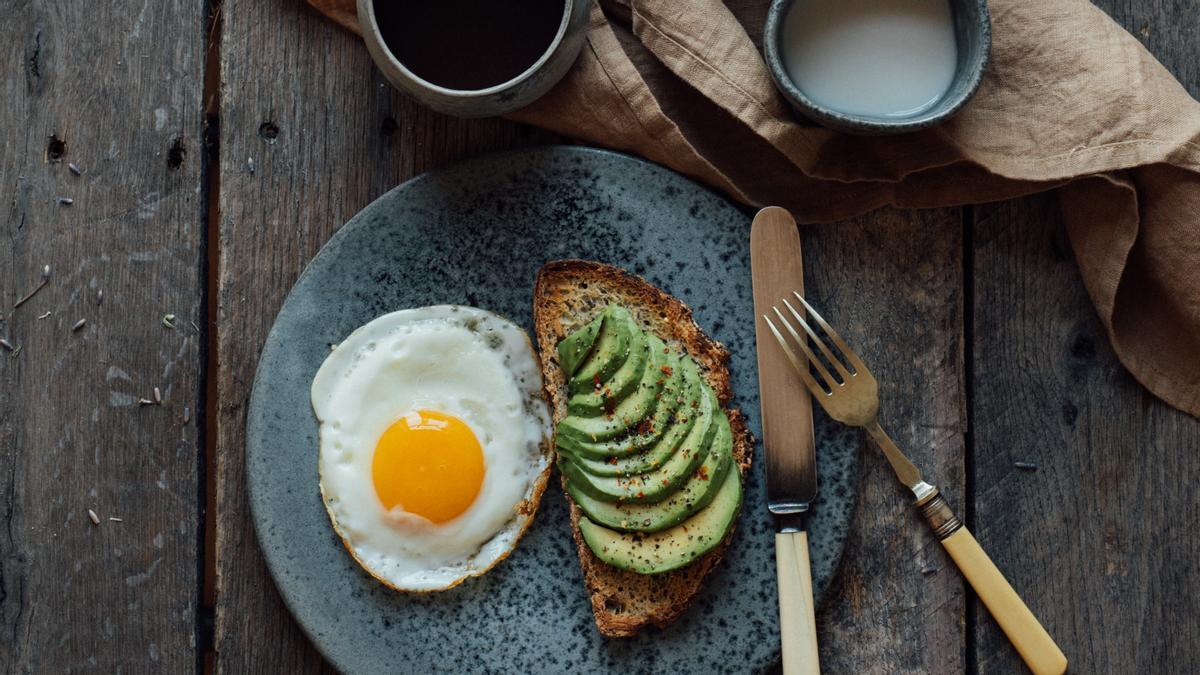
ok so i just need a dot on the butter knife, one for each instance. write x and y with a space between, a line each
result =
787 437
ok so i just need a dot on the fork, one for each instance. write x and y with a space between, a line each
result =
852 398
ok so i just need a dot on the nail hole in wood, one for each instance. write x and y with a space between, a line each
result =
1070 413
56 149
1084 348
176 154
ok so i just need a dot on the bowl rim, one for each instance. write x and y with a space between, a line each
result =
371 32
772 35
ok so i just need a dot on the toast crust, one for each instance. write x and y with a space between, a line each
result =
567 295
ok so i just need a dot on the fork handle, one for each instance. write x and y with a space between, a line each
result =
797 624
1031 640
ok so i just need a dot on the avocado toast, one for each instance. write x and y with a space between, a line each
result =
651 456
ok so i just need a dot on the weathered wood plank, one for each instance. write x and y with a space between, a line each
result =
124 105
891 283
1167 28
1097 539
341 137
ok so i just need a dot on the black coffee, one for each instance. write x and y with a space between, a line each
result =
468 44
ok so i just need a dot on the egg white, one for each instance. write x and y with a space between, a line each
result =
462 361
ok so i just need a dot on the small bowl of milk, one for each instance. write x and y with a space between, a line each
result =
877 66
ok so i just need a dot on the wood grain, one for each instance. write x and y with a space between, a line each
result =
1092 538
122 104
310 134
1097 539
891 282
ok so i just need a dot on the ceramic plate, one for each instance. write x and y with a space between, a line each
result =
476 234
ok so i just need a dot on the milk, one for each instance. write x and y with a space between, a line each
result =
881 58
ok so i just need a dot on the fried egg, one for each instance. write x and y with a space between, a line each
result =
434 443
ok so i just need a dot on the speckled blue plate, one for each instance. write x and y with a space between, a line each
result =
476 233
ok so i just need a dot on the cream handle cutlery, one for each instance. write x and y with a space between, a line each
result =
852 398
797 623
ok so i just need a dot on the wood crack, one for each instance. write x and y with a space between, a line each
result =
34 83
12 571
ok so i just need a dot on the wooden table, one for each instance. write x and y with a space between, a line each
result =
221 143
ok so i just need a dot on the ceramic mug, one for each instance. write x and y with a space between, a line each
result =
973 35
497 99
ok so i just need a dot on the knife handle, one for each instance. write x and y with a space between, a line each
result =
797 624
1031 640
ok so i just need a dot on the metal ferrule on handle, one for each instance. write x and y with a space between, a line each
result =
939 515
792 522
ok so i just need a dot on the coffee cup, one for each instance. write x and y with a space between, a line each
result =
474 58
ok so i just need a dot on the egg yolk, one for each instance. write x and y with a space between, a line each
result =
429 464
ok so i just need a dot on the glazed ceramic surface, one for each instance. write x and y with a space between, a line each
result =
476 234
973 35
496 100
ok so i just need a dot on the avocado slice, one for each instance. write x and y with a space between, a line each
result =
640 436
671 548
694 495
658 388
656 485
696 405
610 351
593 403
575 347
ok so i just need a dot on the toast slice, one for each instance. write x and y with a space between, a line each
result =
568 294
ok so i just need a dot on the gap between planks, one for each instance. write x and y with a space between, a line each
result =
207 414
971 660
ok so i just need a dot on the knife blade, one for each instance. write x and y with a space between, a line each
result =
787 426
787 437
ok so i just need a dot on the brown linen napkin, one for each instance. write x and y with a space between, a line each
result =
1070 101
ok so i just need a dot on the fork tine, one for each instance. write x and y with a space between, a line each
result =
851 356
837 363
812 358
800 368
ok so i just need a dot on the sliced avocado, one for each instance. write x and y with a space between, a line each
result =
604 398
656 485
660 384
625 446
610 351
671 548
640 437
695 494
694 405
633 445
575 347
